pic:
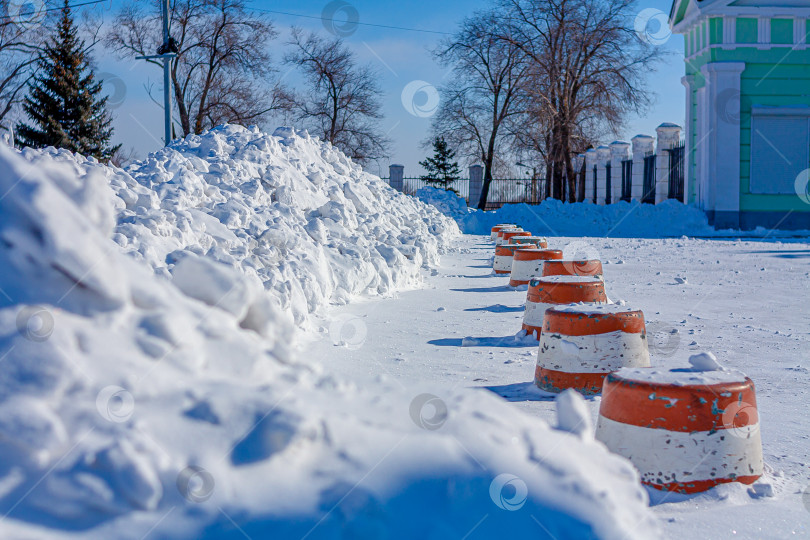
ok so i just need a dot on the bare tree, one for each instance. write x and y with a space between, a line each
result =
342 104
588 68
21 42
486 91
223 70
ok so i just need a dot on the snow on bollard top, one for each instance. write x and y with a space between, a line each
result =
703 369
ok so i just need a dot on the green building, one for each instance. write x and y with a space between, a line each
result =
747 110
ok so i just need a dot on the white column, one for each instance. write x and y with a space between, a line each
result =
395 175
590 161
602 157
580 163
476 185
668 137
703 188
689 150
619 151
723 138
642 145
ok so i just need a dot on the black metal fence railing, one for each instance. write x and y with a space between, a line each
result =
411 185
627 179
594 184
676 170
512 191
608 190
648 190
501 190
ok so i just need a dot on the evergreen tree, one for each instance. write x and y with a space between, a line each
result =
63 101
441 169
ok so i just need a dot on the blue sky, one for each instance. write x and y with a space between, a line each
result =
399 56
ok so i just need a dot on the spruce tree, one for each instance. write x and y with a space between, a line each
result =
441 169
63 101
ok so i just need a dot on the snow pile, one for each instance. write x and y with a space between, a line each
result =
669 218
622 219
447 202
148 388
291 215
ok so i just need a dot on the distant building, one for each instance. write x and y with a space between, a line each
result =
747 110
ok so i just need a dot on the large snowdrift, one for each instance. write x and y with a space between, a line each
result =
148 386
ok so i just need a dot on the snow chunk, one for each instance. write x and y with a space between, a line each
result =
705 361
573 415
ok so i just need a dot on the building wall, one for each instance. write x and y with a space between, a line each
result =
776 74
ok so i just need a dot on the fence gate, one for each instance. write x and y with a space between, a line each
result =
648 194
608 194
594 184
627 179
676 168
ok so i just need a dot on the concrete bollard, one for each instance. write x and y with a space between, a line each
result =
537 241
545 292
586 267
684 430
528 263
580 344
508 234
500 233
502 262
500 226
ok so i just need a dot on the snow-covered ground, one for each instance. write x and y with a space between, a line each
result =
746 301
154 383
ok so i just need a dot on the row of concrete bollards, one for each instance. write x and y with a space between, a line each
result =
685 429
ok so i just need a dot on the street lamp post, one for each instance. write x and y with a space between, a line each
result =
166 51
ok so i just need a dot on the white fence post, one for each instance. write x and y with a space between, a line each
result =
602 157
476 185
395 175
668 137
642 145
590 161
619 151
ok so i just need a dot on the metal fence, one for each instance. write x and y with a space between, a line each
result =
608 193
501 190
676 169
627 179
648 191
411 185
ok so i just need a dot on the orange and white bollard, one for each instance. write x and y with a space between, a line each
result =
499 235
545 292
527 263
684 430
509 234
537 241
592 267
500 226
502 263
580 344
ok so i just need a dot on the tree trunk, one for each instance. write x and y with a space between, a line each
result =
488 159
482 202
